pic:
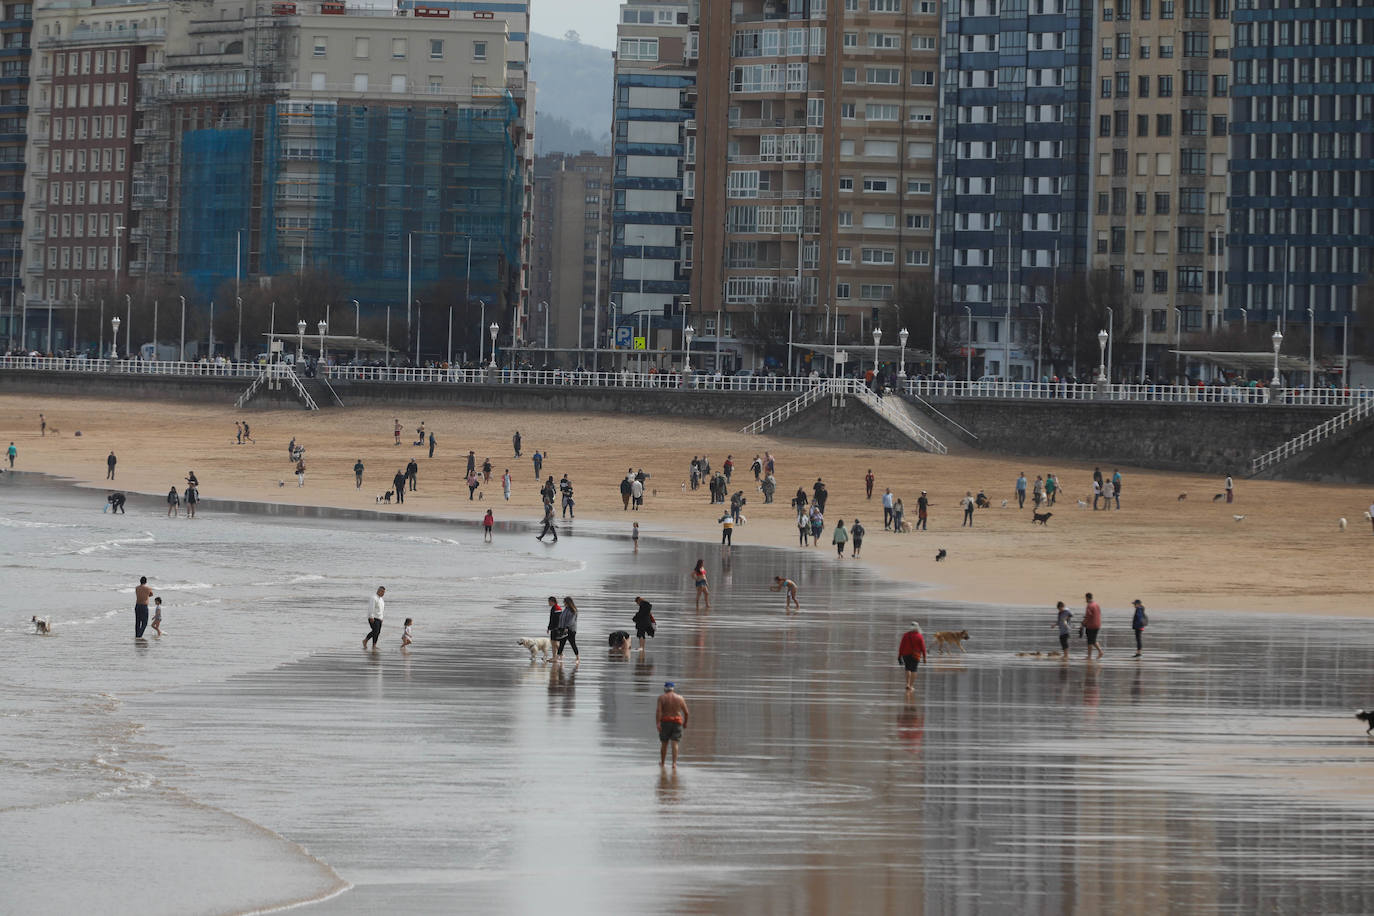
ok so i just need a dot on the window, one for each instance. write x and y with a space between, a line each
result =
1161 281
479 50
360 47
880 220
1166 87
317 81
884 6
923 77
883 76
1166 9
846 219
844 255
880 149
1138 281
360 82
922 115
879 185
398 82
875 291
846 183
923 42
321 46
841 292
639 49
1189 280
918 186
1164 124
884 41
918 221
1166 48
436 49
1143 87
850 39
918 257
877 112
879 256
1161 203
847 111
398 49
849 75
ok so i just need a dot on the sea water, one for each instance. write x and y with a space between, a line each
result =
256 755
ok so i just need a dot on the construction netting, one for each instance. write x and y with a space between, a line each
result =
216 171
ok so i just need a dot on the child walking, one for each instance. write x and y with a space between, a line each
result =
407 637
156 623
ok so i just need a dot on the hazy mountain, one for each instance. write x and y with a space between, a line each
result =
573 101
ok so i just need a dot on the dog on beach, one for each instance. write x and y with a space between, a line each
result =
941 555
1218 497
1239 518
1041 517
1367 718
1341 523
539 647
42 625
906 527
386 497
619 640
1182 497
950 639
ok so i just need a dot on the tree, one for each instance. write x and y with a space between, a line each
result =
916 302
767 325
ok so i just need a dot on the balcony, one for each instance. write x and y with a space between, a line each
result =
757 123
89 36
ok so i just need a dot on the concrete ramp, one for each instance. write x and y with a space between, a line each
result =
896 412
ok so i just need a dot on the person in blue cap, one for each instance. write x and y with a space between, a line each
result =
670 718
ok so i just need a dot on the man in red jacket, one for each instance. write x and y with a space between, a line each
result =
911 652
1092 624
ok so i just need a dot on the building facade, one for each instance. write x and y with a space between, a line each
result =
1301 218
570 271
16 28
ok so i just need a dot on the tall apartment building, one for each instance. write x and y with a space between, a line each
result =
81 148
1015 144
572 231
16 27
816 158
1301 231
652 153
1160 159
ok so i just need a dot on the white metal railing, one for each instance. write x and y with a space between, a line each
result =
252 390
130 367
897 418
794 406
1189 394
1359 413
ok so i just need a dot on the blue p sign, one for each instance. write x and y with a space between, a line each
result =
622 336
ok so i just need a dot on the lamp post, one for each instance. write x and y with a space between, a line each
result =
300 341
877 336
419 328
357 326
968 346
238 344
1244 320
1111 318
1102 356
182 355
449 362
1277 341
493 329
1039 341
324 329
1178 342
544 307
1311 348
114 341
902 336
688 333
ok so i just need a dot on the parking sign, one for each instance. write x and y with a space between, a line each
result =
622 336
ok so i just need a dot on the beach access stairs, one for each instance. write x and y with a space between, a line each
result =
272 376
891 409
1343 423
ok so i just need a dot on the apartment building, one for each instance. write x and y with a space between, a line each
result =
653 151
816 139
16 27
80 148
572 232
1301 220
1159 213
1014 180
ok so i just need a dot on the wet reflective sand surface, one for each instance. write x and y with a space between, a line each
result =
1222 772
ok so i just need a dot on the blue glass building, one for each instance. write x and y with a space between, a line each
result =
16 29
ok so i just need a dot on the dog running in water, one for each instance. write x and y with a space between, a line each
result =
951 639
1367 718
42 625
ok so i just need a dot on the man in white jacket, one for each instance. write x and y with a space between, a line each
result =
374 617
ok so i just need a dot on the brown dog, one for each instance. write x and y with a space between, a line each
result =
951 639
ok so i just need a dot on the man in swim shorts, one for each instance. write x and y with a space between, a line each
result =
670 718
142 593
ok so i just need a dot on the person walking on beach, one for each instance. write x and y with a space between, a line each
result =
431 446
472 462
898 515
515 441
486 470
141 595
967 503
375 611
300 472
408 633
728 467
819 494
1021 491
1051 489
1139 621
1107 492
839 538
1116 487
238 432
42 426
757 468
868 484
789 590
1097 493
670 718
699 580
1370 511
817 525
192 496
488 521
922 507
412 471
554 627
856 536
548 524
803 528
911 651
634 536
396 430
1230 488
636 494
358 474
626 485
643 620
111 461
156 623
11 453
505 484
887 509
398 483
1092 624
567 622
1038 493
1063 619
538 463
247 435
173 501
565 491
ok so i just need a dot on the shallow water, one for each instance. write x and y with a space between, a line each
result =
1221 773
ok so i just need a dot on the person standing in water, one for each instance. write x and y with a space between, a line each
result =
567 622
374 617
487 521
789 590
157 616
670 718
407 634
142 593
1063 620
839 538
1092 624
911 651
703 589
1139 620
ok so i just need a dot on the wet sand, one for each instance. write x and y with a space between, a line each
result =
1287 555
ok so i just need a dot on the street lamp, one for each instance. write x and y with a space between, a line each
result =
357 326
238 343
1277 340
1311 348
324 329
182 357
902 336
544 307
968 347
114 343
493 329
419 327
1102 356
877 336
300 341
688 332
1039 342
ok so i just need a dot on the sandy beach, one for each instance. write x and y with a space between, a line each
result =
1287 555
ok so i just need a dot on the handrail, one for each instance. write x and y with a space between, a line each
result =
334 394
247 396
300 388
943 416
902 422
777 415
1305 440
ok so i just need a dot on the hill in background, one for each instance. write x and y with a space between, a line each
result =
573 101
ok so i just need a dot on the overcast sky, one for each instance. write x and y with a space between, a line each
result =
594 20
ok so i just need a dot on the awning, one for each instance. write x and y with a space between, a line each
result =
1227 359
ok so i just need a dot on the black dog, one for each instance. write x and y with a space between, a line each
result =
1218 496
1041 517
619 639
941 555
386 497
1367 718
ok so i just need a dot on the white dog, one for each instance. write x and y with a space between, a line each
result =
1341 522
42 625
538 647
